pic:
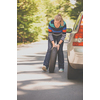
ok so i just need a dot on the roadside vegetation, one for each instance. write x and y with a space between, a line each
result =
33 17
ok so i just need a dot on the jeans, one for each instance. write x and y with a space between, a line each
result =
60 53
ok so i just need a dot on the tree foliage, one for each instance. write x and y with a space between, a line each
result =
74 10
33 16
26 10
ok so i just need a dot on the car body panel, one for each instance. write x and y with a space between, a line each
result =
75 53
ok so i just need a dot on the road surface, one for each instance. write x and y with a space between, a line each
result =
34 84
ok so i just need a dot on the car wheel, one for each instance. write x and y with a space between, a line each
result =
52 60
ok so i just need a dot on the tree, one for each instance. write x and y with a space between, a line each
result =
73 10
33 16
25 12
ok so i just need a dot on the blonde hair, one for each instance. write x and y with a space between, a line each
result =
59 18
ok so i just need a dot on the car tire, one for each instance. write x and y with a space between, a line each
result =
52 61
71 73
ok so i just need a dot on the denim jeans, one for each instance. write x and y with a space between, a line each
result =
60 53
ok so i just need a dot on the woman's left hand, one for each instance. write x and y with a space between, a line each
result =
58 46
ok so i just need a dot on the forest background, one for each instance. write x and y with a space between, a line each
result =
33 17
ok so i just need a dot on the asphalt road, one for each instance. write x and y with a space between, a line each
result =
34 84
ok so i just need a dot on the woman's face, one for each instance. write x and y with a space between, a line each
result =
56 23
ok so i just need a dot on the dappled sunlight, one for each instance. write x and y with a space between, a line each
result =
42 85
29 71
20 93
34 76
18 84
29 67
28 61
32 82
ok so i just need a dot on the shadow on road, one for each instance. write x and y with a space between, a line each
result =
41 90
39 85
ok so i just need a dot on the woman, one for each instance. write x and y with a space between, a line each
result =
57 32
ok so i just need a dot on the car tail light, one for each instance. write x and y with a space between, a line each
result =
78 37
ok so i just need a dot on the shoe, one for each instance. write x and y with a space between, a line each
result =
44 68
61 70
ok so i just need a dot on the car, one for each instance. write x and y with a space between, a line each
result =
75 49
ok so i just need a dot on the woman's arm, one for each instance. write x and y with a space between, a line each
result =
63 37
63 33
50 35
53 44
60 42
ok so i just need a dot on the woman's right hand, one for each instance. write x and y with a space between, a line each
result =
53 44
